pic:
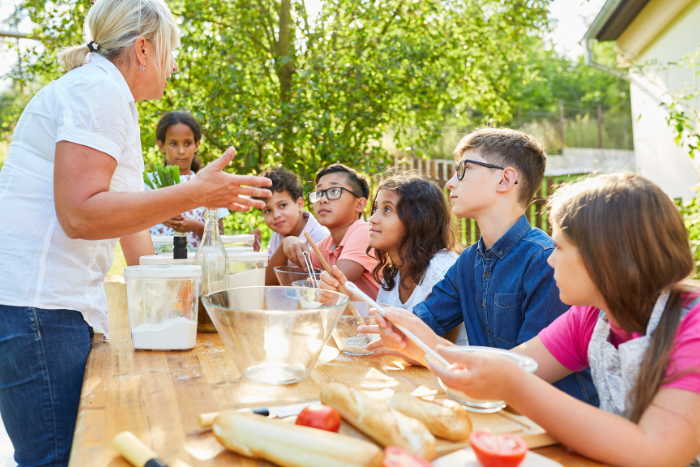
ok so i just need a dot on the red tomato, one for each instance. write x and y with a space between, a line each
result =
322 417
498 450
397 457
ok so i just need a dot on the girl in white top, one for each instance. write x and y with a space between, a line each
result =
66 222
178 135
411 233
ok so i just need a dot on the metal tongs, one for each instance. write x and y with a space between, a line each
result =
351 287
310 268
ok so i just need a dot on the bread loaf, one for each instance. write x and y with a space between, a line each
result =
289 445
379 421
445 419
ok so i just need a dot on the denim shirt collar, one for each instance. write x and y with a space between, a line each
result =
504 244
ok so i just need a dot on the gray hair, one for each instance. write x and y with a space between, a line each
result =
114 25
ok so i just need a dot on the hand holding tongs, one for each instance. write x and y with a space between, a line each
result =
351 287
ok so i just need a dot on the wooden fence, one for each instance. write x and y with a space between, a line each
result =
442 170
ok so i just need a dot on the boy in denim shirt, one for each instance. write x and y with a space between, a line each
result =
501 287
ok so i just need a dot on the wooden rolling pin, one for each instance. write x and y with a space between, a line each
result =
137 453
325 265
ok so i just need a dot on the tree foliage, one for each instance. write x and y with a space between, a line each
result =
287 88
548 77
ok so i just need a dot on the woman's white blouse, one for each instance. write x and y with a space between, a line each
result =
39 265
441 262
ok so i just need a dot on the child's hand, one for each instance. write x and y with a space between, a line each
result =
329 282
393 340
176 223
482 376
293 247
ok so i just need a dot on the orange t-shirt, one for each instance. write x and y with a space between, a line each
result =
353 247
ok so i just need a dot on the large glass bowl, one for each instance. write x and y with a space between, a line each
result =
288 274
487 406
274 335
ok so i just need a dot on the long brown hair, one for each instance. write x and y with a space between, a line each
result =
634 244
428 228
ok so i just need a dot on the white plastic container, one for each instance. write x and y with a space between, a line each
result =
163 304
162 244
247 268
236 243
164 259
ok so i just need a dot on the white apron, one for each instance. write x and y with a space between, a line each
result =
614 370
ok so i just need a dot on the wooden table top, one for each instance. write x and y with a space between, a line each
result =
158 395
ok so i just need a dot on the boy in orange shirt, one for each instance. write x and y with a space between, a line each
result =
339 199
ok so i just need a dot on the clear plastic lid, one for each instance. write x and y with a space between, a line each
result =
162 271
247 256
164 258
244 238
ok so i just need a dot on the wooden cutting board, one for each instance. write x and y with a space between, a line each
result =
498 423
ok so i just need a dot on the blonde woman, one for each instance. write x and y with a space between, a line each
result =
57 250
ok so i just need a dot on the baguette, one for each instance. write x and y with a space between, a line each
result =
446 419
289 445
379 421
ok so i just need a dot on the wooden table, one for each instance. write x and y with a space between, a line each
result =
158 395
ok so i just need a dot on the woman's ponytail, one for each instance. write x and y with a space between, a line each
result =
73 56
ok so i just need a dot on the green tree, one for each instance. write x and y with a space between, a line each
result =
286 88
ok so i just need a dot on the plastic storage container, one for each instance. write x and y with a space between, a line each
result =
238 243
247 268
164 259
163 303
162 244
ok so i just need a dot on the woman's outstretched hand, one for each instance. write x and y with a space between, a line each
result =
218 189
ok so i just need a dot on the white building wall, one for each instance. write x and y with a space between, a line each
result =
657 155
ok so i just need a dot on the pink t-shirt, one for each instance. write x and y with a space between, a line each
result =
568 336
353 247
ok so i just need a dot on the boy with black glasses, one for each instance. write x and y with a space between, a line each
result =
501 287
339 198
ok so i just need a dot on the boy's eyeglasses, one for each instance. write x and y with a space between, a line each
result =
462 167
331 193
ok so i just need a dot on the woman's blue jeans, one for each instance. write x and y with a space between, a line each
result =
42 363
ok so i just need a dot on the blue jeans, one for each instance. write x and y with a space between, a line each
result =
42 363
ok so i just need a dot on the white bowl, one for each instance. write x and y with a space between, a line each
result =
487 406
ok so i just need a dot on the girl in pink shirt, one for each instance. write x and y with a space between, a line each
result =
622 262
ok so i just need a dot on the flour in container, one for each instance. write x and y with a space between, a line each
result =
173 334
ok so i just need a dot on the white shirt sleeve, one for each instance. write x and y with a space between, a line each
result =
93 116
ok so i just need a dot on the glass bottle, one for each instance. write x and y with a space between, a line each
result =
211 256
